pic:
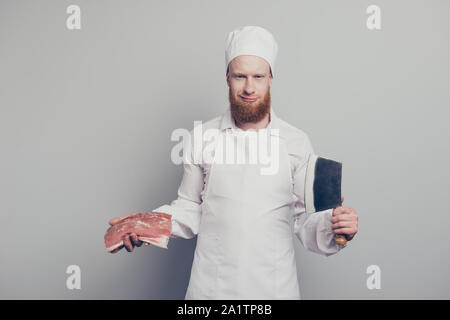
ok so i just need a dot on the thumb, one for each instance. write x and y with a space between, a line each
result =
117 220
342 199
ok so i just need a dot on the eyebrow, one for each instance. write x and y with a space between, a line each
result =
243 74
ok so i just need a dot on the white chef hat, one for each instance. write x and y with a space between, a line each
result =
251 40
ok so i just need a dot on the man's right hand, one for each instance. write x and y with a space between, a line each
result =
130 240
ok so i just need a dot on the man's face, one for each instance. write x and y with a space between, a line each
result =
249 80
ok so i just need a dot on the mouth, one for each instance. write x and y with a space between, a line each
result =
248 99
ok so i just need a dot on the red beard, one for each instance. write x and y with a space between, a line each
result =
244 112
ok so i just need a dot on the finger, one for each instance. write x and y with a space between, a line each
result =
136 240
146 244
343 210
127 243
343 224
339 210
119 219
343 217
349 231
336 211
117 249
342 199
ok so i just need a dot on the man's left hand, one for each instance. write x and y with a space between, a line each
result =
344 221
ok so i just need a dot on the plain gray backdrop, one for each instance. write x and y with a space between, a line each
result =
86 118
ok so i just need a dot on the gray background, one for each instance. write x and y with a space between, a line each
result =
86 118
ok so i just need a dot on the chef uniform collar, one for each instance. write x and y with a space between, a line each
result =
229 123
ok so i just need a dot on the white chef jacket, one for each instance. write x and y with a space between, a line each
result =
220 269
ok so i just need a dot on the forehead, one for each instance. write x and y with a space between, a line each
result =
249 64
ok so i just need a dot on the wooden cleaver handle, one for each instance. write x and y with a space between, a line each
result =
341 239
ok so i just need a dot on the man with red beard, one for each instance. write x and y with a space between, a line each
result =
249 93
241 217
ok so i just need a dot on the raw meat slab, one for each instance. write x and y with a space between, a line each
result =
151 227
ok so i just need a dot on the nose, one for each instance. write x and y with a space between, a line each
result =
249 88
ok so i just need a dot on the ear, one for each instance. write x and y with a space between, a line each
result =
270 76
228 80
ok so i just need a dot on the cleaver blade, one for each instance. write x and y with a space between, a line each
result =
322 184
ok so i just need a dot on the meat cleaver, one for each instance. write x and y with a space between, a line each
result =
323 187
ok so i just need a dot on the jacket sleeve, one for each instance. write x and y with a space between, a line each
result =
313 230
186 209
